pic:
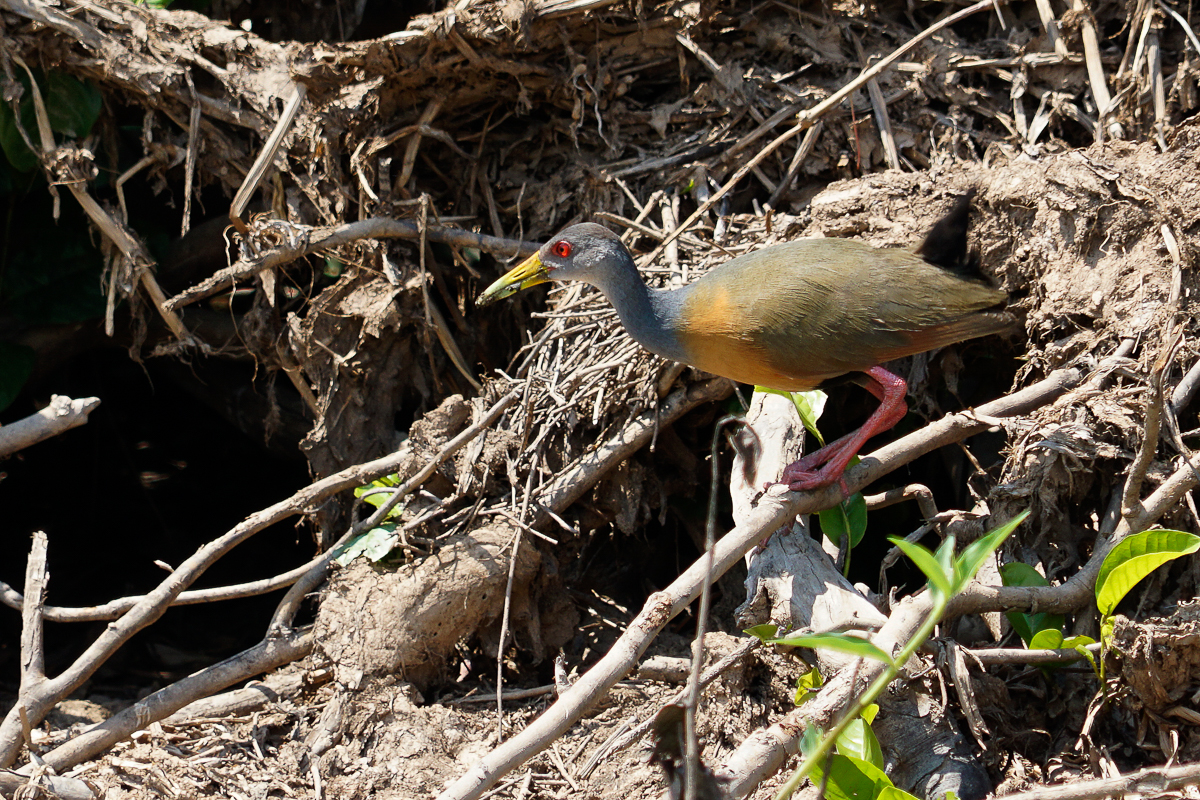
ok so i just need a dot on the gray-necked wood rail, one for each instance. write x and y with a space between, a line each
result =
794 316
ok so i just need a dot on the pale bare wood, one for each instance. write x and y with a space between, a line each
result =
61 414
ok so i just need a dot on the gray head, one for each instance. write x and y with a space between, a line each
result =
586 252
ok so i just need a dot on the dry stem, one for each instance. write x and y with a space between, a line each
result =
61 414
306 240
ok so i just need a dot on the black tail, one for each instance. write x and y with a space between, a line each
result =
946 243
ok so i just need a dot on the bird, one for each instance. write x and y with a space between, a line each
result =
795 316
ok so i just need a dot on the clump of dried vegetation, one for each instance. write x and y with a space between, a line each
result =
376 185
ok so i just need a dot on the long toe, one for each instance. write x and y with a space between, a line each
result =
804 481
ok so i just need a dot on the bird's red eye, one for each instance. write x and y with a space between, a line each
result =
562 248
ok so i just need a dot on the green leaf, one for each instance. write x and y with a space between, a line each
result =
765 633
1053 640
807 685
72 108
18 154
1049 639
1016 573
1134 558
72 105
378 498
847 521
841 642
1080 644
938 580
1026 625
974 554
1107 625
852 778
16 363
893 793
859 741
375 545
809 739
809 405
945 556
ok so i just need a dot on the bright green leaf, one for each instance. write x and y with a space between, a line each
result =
944 555
927 563
845 522
975 554
1107 625
1049 639
377 498
807 685
1053 640
859 740
1134 558
892 793
852 778
809 405
764 633
16 363
1080 645
1026 625
841 642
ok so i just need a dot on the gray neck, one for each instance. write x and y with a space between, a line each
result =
650 316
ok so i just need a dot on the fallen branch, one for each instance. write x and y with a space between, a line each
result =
237 702
1152 781
115 608
304 241
60 415
62 788
267 655
988 656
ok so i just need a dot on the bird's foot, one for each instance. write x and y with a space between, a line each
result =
799 478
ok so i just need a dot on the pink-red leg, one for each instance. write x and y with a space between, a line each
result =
826 465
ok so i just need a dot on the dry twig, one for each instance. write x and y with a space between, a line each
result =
61 414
